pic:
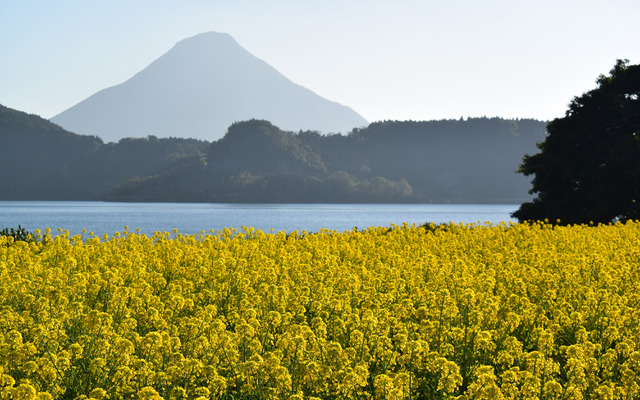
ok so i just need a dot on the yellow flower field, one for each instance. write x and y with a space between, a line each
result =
471 312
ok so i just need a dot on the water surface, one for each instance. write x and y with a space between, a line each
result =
189 218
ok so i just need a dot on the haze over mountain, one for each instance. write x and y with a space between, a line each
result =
197 89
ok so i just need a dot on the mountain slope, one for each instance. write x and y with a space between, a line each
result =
197 89
40 160
447 161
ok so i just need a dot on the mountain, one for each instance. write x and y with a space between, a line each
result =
197 89
40 160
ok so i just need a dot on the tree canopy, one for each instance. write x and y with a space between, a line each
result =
588 167
445 161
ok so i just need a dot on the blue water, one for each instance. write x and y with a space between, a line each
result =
189 218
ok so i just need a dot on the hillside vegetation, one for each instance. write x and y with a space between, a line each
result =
457 161
42 161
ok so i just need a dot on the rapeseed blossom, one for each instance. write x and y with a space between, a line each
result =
517 311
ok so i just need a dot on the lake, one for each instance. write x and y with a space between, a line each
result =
189 218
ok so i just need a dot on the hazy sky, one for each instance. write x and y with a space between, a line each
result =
397 60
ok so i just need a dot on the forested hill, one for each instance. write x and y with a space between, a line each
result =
458 161
470 161
38 159
41 161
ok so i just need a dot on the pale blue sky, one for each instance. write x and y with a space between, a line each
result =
398 60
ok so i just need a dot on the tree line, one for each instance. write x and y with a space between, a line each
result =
447 161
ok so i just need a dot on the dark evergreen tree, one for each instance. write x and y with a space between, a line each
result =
588 167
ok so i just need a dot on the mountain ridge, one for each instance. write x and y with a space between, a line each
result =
197 89
445 161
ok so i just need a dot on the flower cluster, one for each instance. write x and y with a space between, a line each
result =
518 311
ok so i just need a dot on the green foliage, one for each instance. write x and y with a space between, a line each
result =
588 168
461 161
137 158
257 146
432 227
18 234
42 161
392 161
